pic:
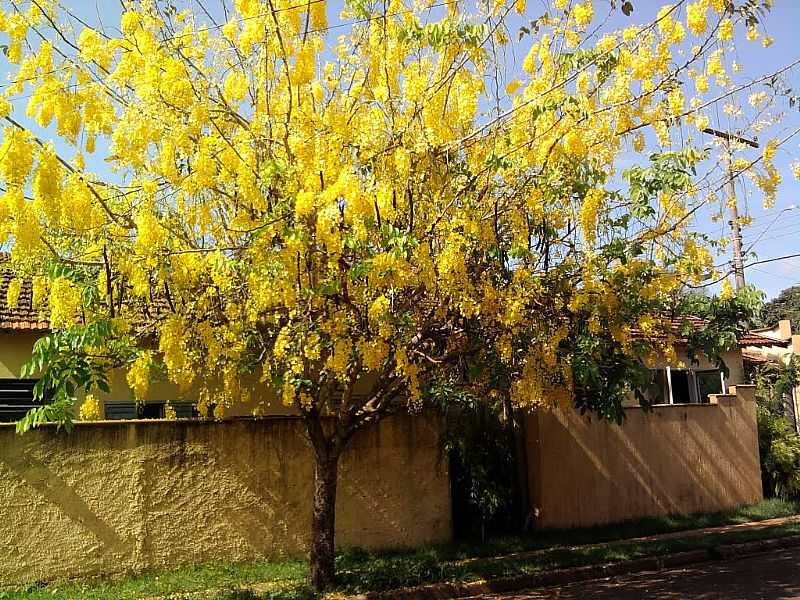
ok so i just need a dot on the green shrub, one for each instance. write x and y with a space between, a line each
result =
481 451
778 442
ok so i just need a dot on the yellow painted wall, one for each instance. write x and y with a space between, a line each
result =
671 460
15 350
122 496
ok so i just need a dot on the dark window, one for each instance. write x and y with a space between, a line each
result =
708 382
681 387
657 391
185 410
148 410
151 410
16 398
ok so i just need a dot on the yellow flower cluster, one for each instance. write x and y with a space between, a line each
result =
172 345
696 17
583 13
90 409
138 376
771 178
16 155
65 302
590 209
12 292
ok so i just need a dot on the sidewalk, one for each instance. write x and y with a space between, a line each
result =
688 533
720 551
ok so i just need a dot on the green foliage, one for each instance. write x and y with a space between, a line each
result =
67 361
785 306
726 320
603 374
669 172
58 411
482 461
444 33
778 442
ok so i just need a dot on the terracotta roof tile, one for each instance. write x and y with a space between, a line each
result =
754 357
23 317
750 338
753 338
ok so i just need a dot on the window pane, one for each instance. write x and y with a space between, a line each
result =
16 398
656 390
708 382
120 410
151 410
681 393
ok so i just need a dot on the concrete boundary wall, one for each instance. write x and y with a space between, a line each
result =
674 459
124 496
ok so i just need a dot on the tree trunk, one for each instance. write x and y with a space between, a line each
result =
521 455
323 522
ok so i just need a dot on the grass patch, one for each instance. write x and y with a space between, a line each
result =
361 571
184 583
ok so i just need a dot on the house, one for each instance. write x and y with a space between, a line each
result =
780 352
23 324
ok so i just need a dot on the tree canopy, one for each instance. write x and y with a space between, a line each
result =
375 199
785 305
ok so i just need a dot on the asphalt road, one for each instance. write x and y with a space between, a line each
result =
774 576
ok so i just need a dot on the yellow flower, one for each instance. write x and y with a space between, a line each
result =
379 308
583 13
701 84
64 303
139 375
676 101
513 86
725 31
235 88
726 290
696 17
169 412
714 64
592 204
90 409
12 293
129 22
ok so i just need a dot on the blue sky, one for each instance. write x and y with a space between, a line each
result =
774 232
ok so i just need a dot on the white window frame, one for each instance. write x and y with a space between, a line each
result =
694 388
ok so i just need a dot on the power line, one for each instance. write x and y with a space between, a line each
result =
776 275
773 259
768 227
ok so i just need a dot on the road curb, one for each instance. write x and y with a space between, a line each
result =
441 591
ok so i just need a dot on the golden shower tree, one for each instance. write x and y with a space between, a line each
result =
372 195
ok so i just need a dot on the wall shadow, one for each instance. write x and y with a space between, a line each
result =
121 496
676 459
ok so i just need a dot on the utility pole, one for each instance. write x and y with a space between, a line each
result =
738 259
